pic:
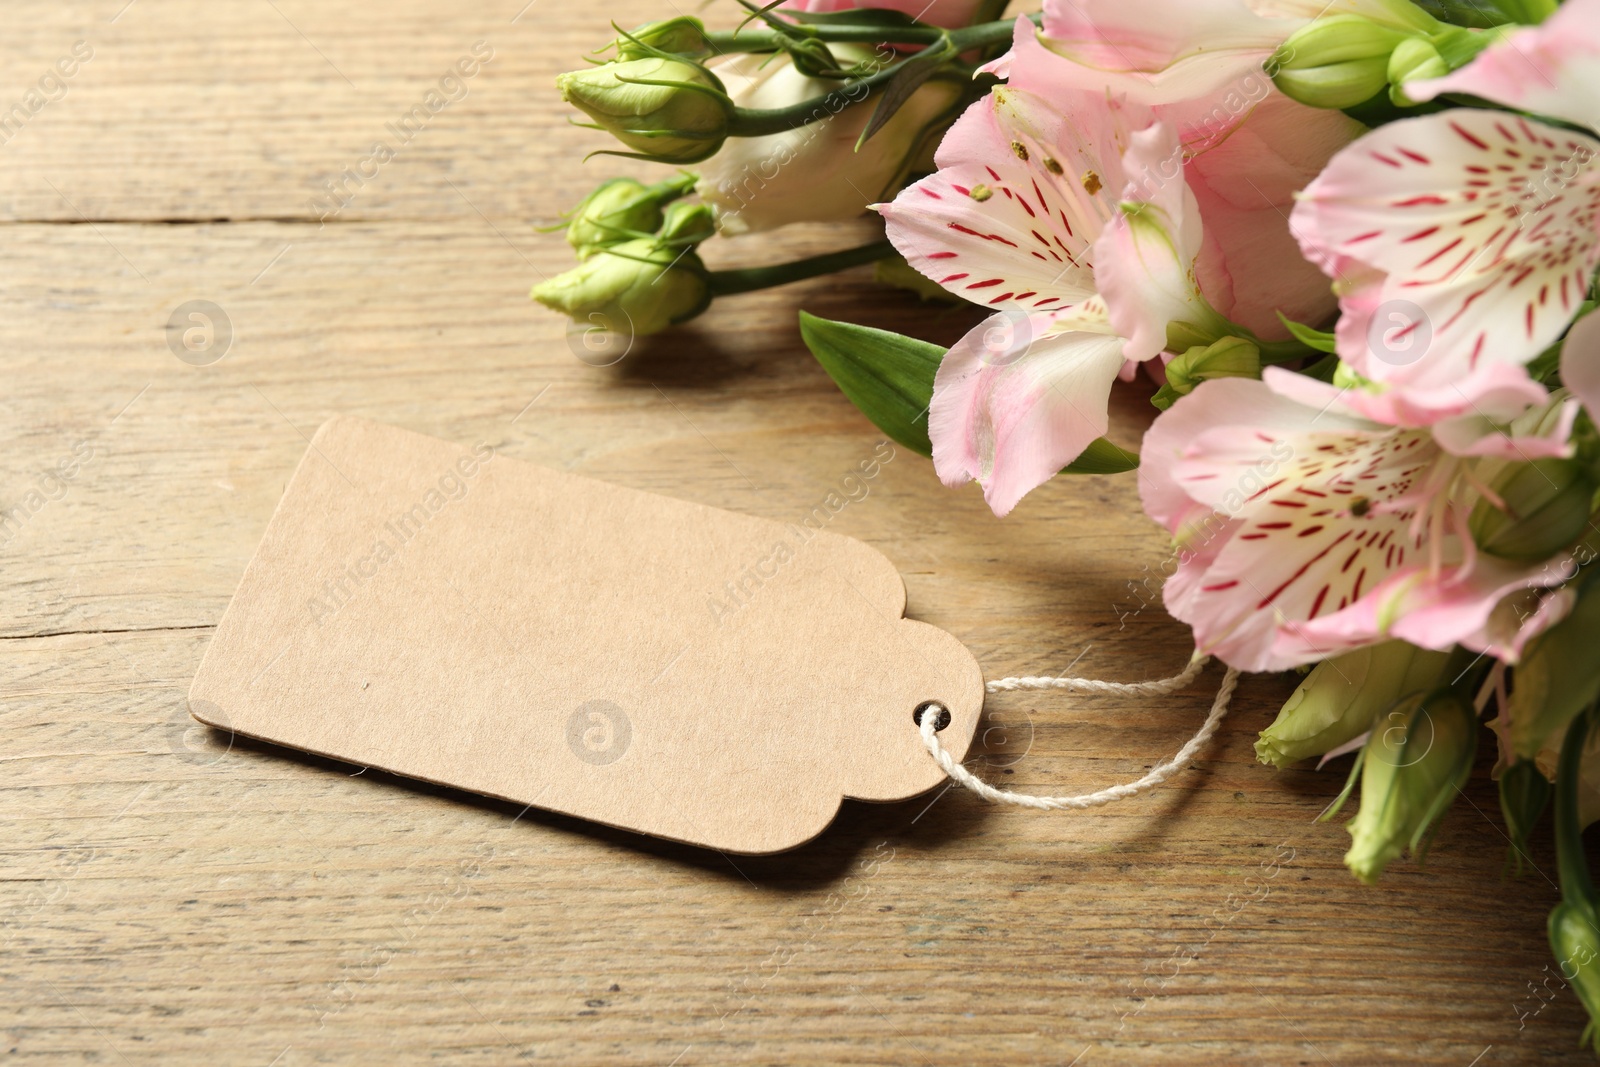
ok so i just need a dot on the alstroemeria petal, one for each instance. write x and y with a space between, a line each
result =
1150 36
1144 260
1580 362
1010 217
1011 415
1225 402
1305 548
1468 418
1460 610
1484 260
1253 157
1550 69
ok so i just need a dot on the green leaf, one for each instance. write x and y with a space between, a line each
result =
1316 340
906 81
890 378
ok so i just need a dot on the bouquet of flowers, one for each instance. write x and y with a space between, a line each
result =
1355 244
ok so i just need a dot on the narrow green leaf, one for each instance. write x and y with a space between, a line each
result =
906 81
1316 340
890 378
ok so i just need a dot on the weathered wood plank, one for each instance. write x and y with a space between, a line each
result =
165 901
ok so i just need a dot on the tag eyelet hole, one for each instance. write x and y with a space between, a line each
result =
928 705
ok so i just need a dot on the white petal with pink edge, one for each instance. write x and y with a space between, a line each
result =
1330 528
1472 417
1023 190
1152 35
1015 401
1227 402
1580 361
1474 258
1145 258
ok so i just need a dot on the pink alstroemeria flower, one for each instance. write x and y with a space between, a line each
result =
1021 396
1042 208
1246 151
1469 237
1312 520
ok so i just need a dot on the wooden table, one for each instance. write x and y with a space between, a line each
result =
168 899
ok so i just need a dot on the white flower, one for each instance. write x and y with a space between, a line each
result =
813 173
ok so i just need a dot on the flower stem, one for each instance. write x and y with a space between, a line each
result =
748 280
1577 887
766 39
944 44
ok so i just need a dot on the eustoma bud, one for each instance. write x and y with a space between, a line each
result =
1231 357
667 110
1413 59
620 210
1342 696
638 288
1547 505
687 224
1335 62
1414 763
682 36
1576 943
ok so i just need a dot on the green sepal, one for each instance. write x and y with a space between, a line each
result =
1312 338
1524 794
1559 674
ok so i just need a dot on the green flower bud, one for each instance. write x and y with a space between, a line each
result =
1415 761
620 210
813 58
1413 59
1342 696
1401 15
636 288
1231 357
667 110
1338 85
1547 505
687 223
1335 62
1575 940
682 36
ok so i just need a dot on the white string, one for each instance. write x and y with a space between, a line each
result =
1160 687
1157 775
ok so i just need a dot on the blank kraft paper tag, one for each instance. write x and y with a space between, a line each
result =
459 617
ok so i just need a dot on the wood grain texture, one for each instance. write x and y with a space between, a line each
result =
167 899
